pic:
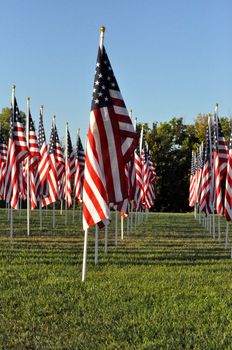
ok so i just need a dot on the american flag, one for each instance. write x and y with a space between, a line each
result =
34 157
53 186
217 174
110 144
148 191
139 180
44 162
221 144
79 170
192 182
228 189
17 152
3 157
199 167
205 205
60 163
69 169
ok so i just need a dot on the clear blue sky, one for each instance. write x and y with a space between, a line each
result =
170 57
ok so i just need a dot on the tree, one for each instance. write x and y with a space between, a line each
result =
5 121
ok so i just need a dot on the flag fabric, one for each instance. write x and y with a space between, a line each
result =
148 192
60 162
3 157
79 170
53 185
192 182
44 162
17 152
33 159
205 204
139 180
222 149
110 144
199 167
217 174
228 186
69 170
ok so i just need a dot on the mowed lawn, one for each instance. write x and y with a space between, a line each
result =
168 285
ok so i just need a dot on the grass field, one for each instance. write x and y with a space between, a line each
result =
168 285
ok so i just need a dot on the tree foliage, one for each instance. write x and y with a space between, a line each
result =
171 144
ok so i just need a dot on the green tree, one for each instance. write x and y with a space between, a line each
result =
5 116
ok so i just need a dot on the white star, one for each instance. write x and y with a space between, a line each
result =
106 98
94 90
98 64
97 100
97 82
103 87
109 68
100 94
105 62
113 84
108 78
100 75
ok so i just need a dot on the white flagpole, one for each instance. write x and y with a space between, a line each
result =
132 214
96 245
40 200
227 234
61 206
212 174
84 265
116 227
11 209
53 215
66 175
74 204
128 223
40 215
219 228
122 228
106 239
28 173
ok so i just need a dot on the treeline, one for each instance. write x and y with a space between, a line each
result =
171 144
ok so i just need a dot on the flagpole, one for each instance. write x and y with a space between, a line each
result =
28 164
219 228
96 245
40 200
122 228
66 175
74 198
227 234
53 204
116 227
11 209
85 256
212 175
128 222
106 239
74 204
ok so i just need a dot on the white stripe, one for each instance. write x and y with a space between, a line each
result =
120 110
115 94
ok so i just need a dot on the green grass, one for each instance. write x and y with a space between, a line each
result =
168 285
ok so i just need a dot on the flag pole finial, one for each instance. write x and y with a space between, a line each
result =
102 31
